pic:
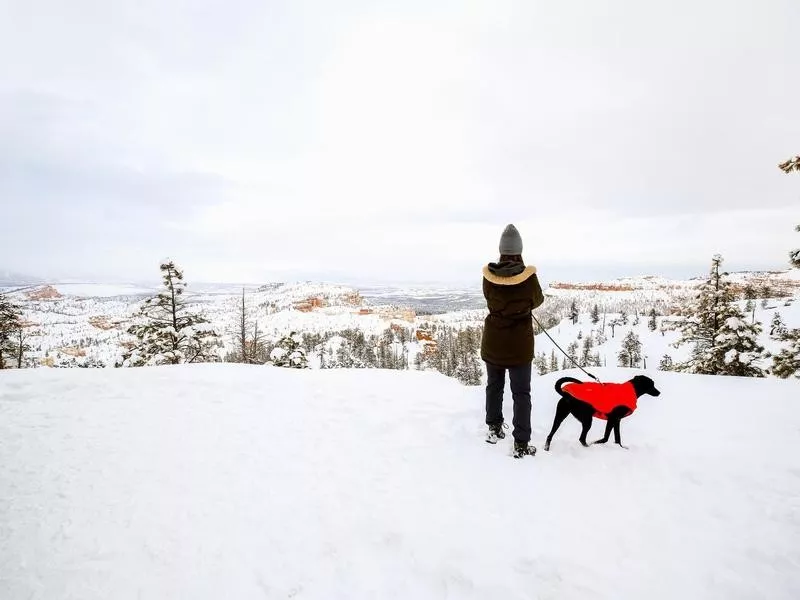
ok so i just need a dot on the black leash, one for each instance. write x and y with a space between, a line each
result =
544 331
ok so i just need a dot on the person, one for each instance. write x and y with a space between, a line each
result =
512 291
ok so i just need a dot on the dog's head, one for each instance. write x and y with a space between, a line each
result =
644 385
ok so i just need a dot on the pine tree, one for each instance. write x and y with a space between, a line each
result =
777 328
540 363
595 314
723 343
652 324
623 317
666 363
10 325
573 312
168 332
631 353
586 350
553 361
289 353
787 362
749 306
572 353
749 292
793 164
614 323
794 255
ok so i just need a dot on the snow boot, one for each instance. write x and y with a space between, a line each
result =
496 433
523 449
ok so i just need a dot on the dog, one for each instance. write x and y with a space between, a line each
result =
610 401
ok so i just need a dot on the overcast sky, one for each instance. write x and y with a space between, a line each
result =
392 141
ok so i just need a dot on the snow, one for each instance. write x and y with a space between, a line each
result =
233 481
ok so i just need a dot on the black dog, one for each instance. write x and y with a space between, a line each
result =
610 401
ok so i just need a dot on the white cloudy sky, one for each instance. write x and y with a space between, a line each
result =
392 141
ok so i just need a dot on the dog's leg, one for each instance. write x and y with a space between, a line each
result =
586 422
609 427
562 412
617 437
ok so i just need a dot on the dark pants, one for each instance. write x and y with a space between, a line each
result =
521 393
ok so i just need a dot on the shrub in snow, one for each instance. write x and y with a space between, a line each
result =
666 363
167 332
723 342
288 353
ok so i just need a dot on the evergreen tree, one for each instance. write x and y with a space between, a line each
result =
572 353
666 363
573 312
10 325
652 324
749 292
787 362
289 352
794 255
586 350
595 314
168 333
623 317
777 328
540 363
553 361
764 303
749 306
631 353
614 323
723 343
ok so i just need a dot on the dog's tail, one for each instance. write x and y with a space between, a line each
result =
564 380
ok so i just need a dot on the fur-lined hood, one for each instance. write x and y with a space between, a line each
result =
491 273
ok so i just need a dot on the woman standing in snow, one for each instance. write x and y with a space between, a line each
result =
512 291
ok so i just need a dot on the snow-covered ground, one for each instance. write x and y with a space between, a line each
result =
229 481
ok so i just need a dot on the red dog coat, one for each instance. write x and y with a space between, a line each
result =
604 397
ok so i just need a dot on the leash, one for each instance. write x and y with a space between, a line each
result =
562 351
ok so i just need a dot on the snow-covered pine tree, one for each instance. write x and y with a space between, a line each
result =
540 363
614 323
794 255
573 312
777 327
289 352
786 363
168 332
631 353
553 361
651 323
10 324
586 350
595 314
623 317
723 343
572 352
793 164
666 363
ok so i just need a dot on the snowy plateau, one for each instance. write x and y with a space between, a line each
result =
236 481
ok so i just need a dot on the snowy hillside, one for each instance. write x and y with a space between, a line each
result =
86 323
655 342
228 481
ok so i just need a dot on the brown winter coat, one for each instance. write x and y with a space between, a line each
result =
508 330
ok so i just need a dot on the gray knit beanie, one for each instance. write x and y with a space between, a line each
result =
510 241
